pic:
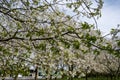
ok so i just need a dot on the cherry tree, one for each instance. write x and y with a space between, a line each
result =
49 34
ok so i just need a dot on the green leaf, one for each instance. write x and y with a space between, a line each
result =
54 50
66 44
76 44
118 42
70 28
93 39
27 3
69 5
28 34
1 48
16 49
96 52
35 2
89 38
41 31
41 46
85 25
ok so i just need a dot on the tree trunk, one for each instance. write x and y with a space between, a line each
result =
3 78
71 67
36 72
86 77
111 77
4 75
16 76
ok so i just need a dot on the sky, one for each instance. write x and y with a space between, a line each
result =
110 16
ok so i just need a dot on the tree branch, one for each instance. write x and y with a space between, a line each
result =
31 39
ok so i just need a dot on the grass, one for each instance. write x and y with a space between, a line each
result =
94 78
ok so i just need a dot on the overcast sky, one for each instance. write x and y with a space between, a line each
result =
110 16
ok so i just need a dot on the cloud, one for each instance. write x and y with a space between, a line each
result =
110 16
112 2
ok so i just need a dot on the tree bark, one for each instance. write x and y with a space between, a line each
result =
16 76
36 72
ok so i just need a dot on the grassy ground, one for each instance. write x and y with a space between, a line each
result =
89 78
94 78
